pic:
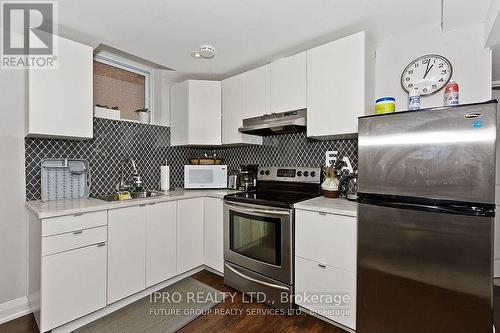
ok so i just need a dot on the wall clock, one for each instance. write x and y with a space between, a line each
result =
426 74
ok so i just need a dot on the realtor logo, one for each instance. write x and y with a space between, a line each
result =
28 31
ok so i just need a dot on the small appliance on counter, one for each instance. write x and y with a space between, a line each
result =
234 180
349 186
205 176
248 177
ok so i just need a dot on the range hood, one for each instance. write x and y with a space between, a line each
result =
275 123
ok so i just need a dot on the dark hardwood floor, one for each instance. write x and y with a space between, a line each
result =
214 322
240 322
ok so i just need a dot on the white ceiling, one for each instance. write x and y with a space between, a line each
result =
245 33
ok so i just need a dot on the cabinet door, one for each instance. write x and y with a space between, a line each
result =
204 121
190 215
327 238
73 285
214 234
288 83
337 86
233 112
257 91
161 243
126 252
60 100
179 114
318 280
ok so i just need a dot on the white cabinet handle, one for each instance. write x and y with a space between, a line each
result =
322 213
101 244
77 214
322 265
77 232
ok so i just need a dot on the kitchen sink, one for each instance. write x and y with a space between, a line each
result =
145 194
134 195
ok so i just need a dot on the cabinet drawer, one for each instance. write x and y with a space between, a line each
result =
326 238
73 284
73 240
334 288
62 224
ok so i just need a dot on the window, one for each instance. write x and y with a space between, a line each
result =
122 86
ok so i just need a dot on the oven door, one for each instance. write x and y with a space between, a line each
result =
259 238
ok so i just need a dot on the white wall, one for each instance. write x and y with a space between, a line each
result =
464 47
12 193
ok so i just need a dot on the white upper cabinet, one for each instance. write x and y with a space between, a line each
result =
288 83
60 100
196 113
257 91
233 113
340 86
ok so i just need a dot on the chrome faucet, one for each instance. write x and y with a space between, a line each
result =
136 179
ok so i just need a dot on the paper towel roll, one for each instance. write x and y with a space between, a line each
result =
165 178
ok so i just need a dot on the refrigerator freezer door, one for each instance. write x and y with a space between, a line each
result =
446 153
422 271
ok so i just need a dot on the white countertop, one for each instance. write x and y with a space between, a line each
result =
75 206
327 205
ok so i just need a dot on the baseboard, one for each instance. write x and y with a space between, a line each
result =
496 268
329 321
213 270
14 309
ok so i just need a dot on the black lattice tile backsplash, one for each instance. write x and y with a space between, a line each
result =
149 146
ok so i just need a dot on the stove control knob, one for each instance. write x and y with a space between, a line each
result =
261 172
299 173
306 173
313 174
267 172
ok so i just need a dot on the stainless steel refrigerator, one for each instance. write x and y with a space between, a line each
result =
425 220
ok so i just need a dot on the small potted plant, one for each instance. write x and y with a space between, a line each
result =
144 115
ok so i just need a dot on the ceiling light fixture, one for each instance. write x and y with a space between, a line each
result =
205 52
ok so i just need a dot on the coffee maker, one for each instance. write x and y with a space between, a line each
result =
248 177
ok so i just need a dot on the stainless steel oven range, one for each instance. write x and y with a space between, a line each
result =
259 233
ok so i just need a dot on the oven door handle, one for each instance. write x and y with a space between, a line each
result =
257 210
272 285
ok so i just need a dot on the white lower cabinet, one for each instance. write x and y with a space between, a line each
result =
73 284
161 242
325 265
81 263
326 238
327 291
190 214
214 234
126 252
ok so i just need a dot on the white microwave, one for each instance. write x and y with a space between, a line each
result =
205 176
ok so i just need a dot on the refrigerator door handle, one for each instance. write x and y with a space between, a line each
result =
452 209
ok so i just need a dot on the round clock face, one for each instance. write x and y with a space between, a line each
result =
426 74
